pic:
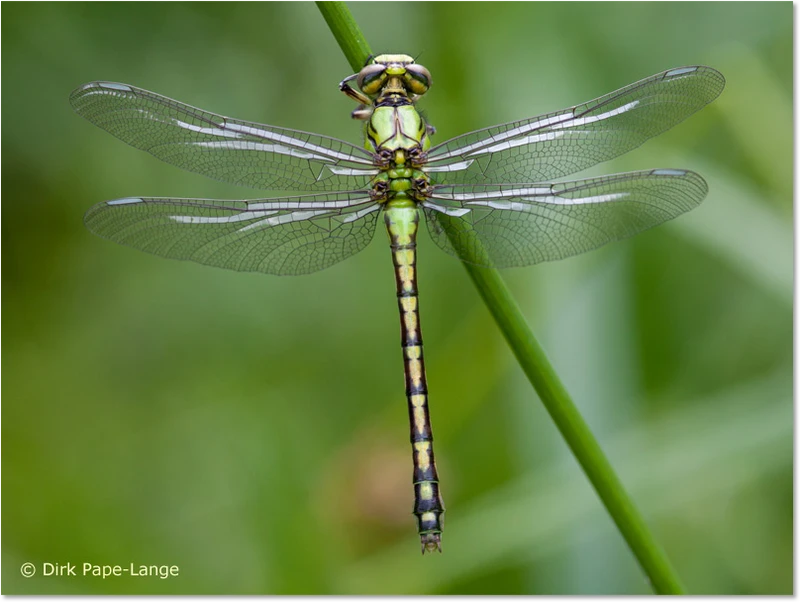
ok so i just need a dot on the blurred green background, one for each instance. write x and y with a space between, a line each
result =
253 430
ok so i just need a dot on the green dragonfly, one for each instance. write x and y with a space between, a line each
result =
485 195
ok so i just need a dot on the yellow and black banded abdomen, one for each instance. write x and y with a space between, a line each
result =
402 223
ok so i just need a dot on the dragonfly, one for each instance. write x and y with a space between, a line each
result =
487 197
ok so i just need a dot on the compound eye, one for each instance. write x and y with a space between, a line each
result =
417 78
370 79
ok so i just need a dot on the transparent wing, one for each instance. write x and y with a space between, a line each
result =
558 144
284 236
239 152
522 224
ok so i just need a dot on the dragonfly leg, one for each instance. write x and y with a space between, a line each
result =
351 92
363 113
365 108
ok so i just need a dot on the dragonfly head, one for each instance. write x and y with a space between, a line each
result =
393 73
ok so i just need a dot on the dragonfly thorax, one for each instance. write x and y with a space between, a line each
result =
400 183
393 128
399 139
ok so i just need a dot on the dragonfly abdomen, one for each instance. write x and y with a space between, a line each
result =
402 223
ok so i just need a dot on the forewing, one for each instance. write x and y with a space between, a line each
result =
284 236
230 150
558 144
518 225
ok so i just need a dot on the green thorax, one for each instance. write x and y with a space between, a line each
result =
400 135
397 127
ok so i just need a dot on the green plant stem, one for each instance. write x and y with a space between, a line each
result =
573 428
347 33
539 370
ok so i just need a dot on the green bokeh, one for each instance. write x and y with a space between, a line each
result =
252 429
